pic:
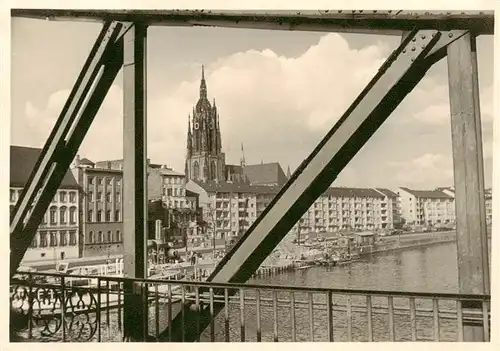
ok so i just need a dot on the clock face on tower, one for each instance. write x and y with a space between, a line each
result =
196 125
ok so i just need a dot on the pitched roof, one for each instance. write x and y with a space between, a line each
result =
86 161
236 187
265 174
387 192
22 161
352 192
170 172
431 194
449 188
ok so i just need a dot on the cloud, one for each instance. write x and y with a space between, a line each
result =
426 171
280 108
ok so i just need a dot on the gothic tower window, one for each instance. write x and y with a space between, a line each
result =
213 171
196 170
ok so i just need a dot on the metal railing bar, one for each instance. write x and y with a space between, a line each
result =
63 308
292 313
183 313
30 309
413 319
369 317
486 322
349 318
257 308
108 325
329 314
435 305
275 316
390 306
120 309
460 326
98 310
311 317
169 311
226 315
198 310
212 321
157 314
242 315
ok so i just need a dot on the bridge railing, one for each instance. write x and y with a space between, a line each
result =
54 307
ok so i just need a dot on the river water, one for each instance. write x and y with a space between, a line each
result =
426 269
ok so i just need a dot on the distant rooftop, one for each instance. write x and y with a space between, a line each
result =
22 162
387 192
236 187
265 174
430 194
353 192
170 172
86 161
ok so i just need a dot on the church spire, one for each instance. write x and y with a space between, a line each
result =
242 160
189 139
288 174
203 84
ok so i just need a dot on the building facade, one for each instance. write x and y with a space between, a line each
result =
57 236
101 208
487 199
230 208
345 209
426 207
391 200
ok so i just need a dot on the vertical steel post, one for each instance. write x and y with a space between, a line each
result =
472 245
134 178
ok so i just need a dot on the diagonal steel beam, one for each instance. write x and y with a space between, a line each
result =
85 99
402 71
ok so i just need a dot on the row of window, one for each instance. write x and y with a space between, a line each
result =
100 218
100 181
174 192
54 239
173 180
66 216
61 196
102 238
180 204
100 196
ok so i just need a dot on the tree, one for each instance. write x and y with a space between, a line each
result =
212 217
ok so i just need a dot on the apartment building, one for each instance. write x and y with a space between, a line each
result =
426 207
230 208
342 208
101 208
487 199
391 200
57 236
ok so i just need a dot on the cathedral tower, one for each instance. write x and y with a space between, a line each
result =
204 157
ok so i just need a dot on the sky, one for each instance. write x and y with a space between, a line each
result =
278 93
